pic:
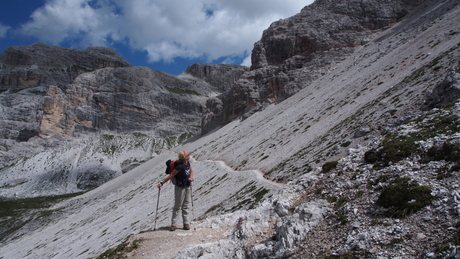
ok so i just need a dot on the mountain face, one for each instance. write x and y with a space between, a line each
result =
360 162
123 100
56 91
295 51
51 95
220 76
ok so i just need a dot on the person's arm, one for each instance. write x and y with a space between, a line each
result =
171 175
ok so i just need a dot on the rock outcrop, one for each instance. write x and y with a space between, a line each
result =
446 91
50 91
221 76
27 73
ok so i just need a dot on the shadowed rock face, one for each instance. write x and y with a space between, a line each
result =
50 91
446 91
115 99
295 51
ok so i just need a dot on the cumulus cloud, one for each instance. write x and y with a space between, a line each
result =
165 29
3 30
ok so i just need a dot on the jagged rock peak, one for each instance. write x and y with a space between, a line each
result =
326 25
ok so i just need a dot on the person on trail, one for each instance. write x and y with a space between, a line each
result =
183 174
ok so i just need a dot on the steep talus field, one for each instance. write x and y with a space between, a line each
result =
361 163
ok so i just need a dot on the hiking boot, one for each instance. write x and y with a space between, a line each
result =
186 227
172 228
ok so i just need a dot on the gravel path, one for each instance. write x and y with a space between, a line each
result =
163 243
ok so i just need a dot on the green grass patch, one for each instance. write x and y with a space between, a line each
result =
346 144
139 135
107 137
448 152
331 199
343 219
14 207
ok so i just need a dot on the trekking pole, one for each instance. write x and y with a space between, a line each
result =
156 213
191 194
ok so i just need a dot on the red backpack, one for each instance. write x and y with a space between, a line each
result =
170 165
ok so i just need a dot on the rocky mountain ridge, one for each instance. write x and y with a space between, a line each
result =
40 64
295 51
51 96
91 90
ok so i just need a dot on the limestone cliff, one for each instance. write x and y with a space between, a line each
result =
50 96
221 76
295 51
123 100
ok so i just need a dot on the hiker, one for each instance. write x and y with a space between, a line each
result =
183 174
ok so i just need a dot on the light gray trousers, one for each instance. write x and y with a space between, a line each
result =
182 200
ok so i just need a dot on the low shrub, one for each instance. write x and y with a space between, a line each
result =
404 197
343 219
328 166
448 152
457 238
396 147
371 156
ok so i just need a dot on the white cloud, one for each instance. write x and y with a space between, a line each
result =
3 30
166 29
74 20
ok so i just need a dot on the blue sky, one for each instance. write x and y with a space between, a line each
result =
166 35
